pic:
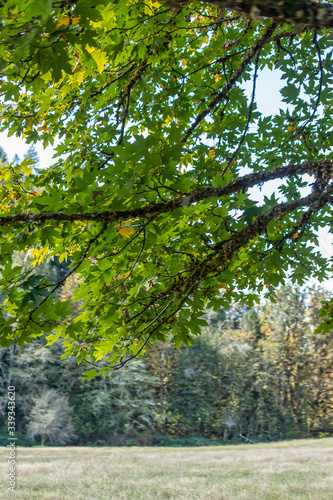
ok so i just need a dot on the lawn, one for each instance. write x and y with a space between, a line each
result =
286 470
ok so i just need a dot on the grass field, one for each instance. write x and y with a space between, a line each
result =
287 470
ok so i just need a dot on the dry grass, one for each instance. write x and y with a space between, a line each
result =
287 470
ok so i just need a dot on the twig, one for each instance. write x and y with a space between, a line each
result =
232 80
249 115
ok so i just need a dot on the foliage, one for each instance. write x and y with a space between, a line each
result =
117 409
157 147
265 376
51 418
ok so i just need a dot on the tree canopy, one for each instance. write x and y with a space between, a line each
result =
158 145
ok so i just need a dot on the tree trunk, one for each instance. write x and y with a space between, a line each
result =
299 428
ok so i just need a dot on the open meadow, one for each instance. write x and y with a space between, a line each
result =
286 470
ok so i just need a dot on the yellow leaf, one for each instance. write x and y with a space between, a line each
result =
98 56
124 275
167 121
39 255
65 21
62 256
62 22
295 236
151 5
7 175
25 165
291 126
26 170
125 231
29 123
217 78
104 348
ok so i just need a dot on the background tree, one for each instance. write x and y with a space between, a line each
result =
159 145
32 155
231 381
161 363
298 354
51 418
3 156
6 369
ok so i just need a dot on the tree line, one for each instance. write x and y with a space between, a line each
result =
254 374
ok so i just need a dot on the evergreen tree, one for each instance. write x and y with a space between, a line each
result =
32 154
3 156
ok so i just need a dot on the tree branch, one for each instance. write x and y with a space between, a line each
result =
198 194
223 251
314 14
232 80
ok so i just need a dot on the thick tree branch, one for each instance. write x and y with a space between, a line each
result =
198 194
314 14
224 250
222 253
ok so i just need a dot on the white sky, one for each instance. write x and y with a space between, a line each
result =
13 145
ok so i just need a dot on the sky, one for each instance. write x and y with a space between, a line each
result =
267 87
13 145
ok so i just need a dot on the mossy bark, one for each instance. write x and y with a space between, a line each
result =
315 14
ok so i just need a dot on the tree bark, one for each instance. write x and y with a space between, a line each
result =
314 14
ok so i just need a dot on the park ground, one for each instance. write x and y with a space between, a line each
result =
300 469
